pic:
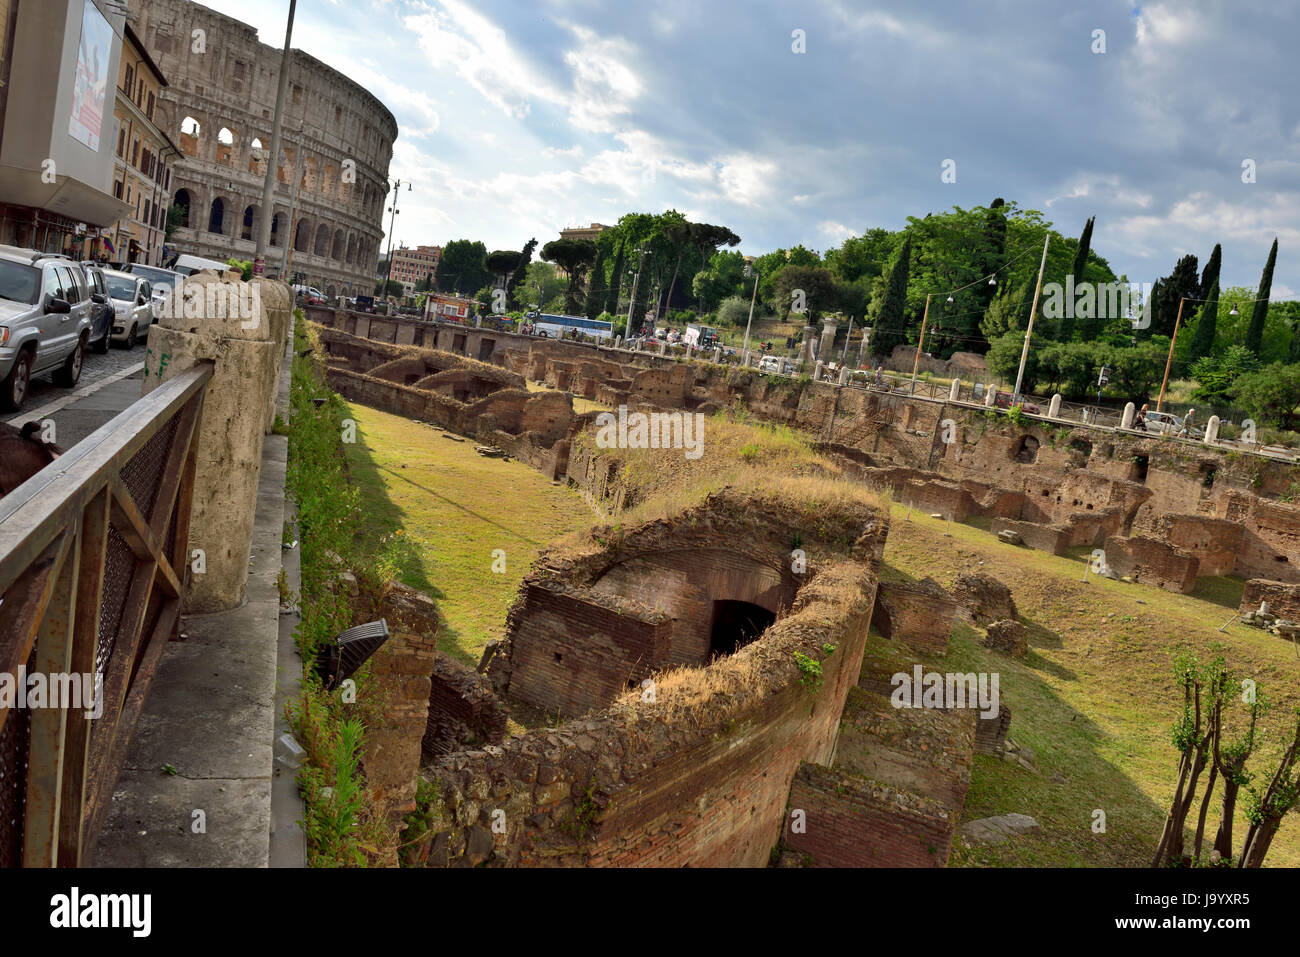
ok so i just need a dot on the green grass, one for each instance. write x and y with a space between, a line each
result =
1095 698
433 512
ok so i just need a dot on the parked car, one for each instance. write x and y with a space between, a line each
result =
1169 424
133 310
45 317
101 323
1003 400
161 281
187 265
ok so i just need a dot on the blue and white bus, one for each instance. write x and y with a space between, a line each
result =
559 326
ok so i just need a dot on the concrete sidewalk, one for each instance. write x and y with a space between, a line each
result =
211 717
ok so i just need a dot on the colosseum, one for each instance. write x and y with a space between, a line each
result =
219 107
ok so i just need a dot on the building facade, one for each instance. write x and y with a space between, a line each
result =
142 166
58 61
448 308
331 176
589 233
413 266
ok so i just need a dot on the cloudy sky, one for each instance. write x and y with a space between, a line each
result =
520 117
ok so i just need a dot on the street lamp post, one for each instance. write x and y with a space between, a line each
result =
744 349
392 221
640 263
268 186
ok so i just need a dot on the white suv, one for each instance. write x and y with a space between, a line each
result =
133 310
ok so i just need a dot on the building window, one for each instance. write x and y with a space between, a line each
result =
117 189
121 140
135 154
149 112
130 79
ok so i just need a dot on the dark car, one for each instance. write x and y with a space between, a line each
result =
101 308
1004 401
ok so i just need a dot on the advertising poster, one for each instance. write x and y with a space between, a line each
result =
94 54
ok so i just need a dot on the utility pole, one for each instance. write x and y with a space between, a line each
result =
268 187
916 364
744 349
844 356
1033 311
1168 362
286 262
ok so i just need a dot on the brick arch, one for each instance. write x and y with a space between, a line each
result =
351 256
321 244
302 234
329 179
338 246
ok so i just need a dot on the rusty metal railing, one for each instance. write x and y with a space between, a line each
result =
92 572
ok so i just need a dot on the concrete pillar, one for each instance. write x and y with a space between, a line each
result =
663 347
1054 409
844 375
1212 430
618 342
827 347
990 394
235 411
817 371
717 353
954 392
1126 421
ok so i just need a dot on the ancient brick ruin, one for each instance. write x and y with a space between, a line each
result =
739 737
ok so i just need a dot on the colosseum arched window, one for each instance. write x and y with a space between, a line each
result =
257 157
277 229
310 174
339 245
351 257
289 162
225 147
184 201
329 180
322 245
217 218
302 236
191 133
250 221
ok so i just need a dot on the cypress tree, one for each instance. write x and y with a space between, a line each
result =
596 286
521 270
1255 331
888 325
1210 278
1166 293
615 282
1090 325
1203 338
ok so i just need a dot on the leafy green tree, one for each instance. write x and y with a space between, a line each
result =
1003 359
1167 292
520 273
395 288
810 287
863 257
889 306
707 237
733 311
1255 333
615 281
1203 336
575 257
1270 394
1216 374
501 263
596 286
723 278
461 266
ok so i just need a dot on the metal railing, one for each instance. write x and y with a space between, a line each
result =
92 573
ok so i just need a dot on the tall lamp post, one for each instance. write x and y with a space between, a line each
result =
392 221
1168 362
268 186
640 264
744 349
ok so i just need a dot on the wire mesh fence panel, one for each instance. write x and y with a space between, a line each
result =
86 576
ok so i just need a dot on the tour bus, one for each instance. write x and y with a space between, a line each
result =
559 326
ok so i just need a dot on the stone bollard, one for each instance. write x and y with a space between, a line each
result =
990 395
1212 430
844 375
663 347
231 432
618 342
1126 422
954 391
817 371
1054 408
717 353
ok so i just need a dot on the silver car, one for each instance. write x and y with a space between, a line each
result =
45 320
133 309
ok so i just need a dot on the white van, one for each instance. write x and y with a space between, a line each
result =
188 265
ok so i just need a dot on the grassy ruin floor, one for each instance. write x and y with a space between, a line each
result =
434 512
1095 698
